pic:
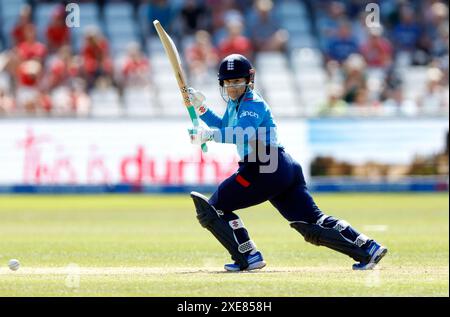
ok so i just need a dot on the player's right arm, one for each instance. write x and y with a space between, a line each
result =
207 115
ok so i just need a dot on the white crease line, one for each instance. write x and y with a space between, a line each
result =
154 270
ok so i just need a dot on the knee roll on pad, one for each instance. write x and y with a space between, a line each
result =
311 233
209 218
331 238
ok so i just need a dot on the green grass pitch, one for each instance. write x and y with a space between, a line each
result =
154 246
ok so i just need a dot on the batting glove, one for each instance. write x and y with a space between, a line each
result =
200 135
198 100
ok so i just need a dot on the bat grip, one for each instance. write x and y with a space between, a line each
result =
194 119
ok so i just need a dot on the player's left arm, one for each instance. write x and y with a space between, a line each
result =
208 116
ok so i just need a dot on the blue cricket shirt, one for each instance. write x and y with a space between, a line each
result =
247 120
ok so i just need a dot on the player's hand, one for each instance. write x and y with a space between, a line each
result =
198 100
200 135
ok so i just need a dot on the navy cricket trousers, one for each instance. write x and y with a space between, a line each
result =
285 188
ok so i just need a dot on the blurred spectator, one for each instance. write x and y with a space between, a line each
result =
96 60
398 105
265 31
71 100
6 69
335 105
235 43
391 84
355 82
162 11
29 97
360 29
229 17
136 68
334 72
377 51
28 70
244 6
328 21
423 50
63 68
361 99
435 16
393 98
202 57
355 7
437 29
435 100
343 44
25 22
62 103
6 102
219 8
58 34
81 99
195 16
30 48
440 44
406 33
29 73
394 103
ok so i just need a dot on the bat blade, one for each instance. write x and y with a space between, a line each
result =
175 61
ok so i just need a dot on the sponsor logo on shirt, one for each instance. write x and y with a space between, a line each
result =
249 113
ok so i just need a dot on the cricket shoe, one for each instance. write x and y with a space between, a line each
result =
255 261
376 252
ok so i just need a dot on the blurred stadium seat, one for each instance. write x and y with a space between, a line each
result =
414 79
105 103
138 102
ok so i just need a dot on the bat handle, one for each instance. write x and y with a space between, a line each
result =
194 119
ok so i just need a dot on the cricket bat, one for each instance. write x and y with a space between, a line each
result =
175 61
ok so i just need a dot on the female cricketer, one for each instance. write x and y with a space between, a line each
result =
266 172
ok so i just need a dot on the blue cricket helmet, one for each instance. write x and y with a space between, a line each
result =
235 66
